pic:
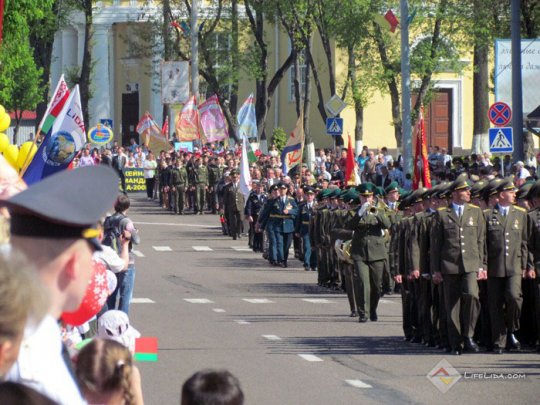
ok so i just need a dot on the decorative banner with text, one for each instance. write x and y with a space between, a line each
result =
134 179
212 120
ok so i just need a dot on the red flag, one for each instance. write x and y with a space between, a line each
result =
349 167
392 20
165 128
421 165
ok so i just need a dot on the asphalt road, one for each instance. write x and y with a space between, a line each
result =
213 303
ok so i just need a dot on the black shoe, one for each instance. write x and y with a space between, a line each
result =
470 345
306 268
353 314
234 238
239 236
511 342
362 319
497 349
447 349
416 339
314 269
457 351
407 338
373 317
284 265
430 343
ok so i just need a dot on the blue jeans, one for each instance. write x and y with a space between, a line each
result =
310 258
124 289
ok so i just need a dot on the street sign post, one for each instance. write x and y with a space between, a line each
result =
501 140
334 126
500 114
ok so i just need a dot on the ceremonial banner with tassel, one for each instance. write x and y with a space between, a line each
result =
422 176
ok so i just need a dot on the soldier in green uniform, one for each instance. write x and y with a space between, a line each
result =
178 183
506 263
457 259
199 184
214 174
303 220
368 250
321 240
390 206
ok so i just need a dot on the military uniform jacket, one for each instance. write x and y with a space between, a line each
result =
395 218
282 222
233 199
200 176
254 204
368 241
506 242
213 175
458 243
178 177
303 219
264 213
403 264
533 239
421 241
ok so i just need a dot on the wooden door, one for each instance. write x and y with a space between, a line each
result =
130 117
438 120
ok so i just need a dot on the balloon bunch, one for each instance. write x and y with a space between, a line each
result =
15 156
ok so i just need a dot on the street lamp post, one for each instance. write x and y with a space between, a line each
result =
195 48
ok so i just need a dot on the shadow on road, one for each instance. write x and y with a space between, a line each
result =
285 288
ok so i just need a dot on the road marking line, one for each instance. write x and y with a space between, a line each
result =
198 300
241 248
258 300
162 248
310 357
137 253
358 384
142 301
218 310
318 300
386 302
242 322
271 337
177 224
202 248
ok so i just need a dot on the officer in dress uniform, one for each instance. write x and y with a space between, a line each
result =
266 224
533 264
282 212
506 263
457 259
368 250
234 202
303 220
390 207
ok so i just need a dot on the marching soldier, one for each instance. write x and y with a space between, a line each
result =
368 251
533 265
199 184
178 183
303 220
266 223
506 263
391 211
234 202
283 211
320 240
254 205
457 257
214 174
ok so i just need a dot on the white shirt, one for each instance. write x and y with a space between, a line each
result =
40 365
458 209
150 167
109 258
86 161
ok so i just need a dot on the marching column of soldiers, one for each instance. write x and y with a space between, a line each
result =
464 257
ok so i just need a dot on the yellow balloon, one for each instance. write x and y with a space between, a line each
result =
26 153
4 142
11 153
5 121
2 110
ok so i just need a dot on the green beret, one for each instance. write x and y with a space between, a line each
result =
379 191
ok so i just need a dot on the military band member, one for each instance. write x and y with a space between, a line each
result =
506 262
368 251
457 259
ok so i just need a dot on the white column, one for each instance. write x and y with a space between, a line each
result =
80 43
56 65
100 105
156 108
112 81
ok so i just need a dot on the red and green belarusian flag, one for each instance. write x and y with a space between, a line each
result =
146 349
54 107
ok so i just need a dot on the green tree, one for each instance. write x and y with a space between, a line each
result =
279 138
20 79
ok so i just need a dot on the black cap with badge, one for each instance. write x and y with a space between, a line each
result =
64 205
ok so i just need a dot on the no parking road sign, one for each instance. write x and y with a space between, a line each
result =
500 114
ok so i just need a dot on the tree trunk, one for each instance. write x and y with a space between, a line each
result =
358 107
233 99
480 99
307 103
84 79
392 87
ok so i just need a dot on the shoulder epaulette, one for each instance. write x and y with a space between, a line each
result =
441 208
520 208
487 210
472 205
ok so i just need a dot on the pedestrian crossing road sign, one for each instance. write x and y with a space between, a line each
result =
334 126
501 140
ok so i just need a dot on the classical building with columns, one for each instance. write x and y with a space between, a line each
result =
123 86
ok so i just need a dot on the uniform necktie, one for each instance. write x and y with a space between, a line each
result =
459 211
503 212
